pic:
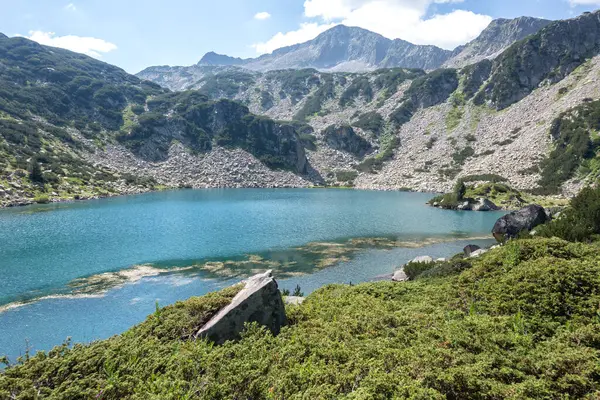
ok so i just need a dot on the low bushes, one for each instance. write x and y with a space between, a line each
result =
520 322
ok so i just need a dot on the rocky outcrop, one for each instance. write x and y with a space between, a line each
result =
212 58
548 56
500 34
259 301
511 225
484 204
344 138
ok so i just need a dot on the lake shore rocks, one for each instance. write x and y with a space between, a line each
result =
259 301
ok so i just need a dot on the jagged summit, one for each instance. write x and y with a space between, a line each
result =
212 58
497 37
352 49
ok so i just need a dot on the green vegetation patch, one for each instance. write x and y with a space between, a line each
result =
360 86
371 121
574 146
520 322
389 143
314 103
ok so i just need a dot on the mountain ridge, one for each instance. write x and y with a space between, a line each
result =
342 46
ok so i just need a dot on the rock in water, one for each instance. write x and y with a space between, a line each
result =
470 249
260 301
509 226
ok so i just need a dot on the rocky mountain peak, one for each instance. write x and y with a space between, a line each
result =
212 58
497 37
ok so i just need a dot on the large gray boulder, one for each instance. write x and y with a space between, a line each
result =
509 226
260 301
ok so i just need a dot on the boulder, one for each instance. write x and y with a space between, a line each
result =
423 260
294 300
509 226
485 205
259 301
466 206
478 253
400 276
470 249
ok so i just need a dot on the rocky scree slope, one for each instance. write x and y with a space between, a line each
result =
352 49
423 131
74 127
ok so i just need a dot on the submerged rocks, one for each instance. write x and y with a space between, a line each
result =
260 301
511 225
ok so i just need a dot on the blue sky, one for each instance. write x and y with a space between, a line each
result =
134 34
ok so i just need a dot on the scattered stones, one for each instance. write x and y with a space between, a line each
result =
260 301
511 225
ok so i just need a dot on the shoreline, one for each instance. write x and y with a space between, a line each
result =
26 203
324 255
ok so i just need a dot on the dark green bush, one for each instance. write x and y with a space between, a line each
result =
414 269
580 222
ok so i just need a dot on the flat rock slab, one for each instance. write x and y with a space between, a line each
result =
260 301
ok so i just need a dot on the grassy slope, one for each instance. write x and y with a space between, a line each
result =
523 322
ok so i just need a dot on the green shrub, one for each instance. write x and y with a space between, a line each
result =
42 199
346 176
460 156
371 121
573 145
360 86
580 221
414 269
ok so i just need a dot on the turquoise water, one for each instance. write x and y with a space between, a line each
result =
43 249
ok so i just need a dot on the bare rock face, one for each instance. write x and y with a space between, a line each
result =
509 226
260 301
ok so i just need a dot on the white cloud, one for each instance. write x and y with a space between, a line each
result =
306 32
87 45
584 2
71 7
262 15
403 19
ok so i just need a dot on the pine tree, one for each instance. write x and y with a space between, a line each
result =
35 172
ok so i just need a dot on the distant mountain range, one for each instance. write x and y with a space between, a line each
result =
74 127
351 49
